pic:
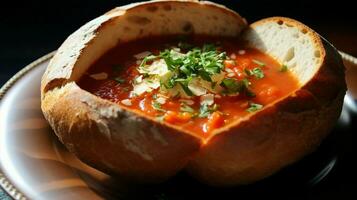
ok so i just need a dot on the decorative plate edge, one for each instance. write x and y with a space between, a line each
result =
4 181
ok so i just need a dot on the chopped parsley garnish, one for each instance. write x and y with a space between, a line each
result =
206 110
283 68
260 63
257 72
253 107
197 62
234 86
157 106
185 88
147 59
119 80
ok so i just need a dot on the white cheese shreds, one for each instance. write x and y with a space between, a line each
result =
147 85
138 62
187 101
126 102
241 52
161 100
99 76
142 55
217 96
139 79
158 67
196 88
207 99
159 73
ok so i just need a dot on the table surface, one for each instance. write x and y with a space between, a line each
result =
28 37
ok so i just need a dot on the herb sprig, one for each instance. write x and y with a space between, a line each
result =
234 86
253 107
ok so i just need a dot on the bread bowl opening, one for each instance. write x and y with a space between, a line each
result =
131 39
196 83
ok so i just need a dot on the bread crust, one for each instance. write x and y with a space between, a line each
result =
283 132
101 133
129 145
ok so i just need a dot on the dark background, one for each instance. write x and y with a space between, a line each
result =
31 29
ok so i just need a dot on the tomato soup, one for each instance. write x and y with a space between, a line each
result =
199 83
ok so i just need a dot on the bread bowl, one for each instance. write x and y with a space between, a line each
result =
131 145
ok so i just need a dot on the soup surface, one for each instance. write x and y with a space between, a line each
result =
199 83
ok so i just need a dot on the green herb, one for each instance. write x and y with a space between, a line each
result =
261 64
126 89
206 110
119 80
186 108
186 89
197 62
283 68
157 106
257 72
234 86
246 89
253 107
146 59
205 75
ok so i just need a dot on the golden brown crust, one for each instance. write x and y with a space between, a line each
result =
281 133
129 145
114 140
101 133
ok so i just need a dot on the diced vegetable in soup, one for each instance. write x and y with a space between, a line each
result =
199 83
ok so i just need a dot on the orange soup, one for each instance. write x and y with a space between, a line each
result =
199 83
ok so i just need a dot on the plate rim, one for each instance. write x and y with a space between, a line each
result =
5 183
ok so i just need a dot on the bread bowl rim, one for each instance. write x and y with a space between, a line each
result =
299 25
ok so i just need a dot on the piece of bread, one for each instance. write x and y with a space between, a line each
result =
286 130
103 134
127 144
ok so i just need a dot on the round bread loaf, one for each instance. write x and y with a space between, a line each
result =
130 145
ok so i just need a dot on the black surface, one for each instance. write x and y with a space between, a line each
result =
30 29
